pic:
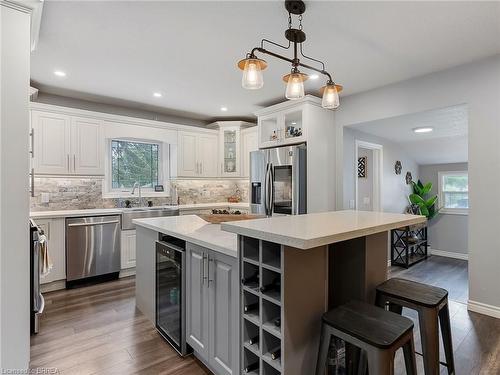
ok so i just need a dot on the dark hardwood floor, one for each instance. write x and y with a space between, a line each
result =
98 330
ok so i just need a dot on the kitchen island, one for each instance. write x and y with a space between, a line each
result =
306 264
255 290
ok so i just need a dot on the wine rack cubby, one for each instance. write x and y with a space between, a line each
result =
290 291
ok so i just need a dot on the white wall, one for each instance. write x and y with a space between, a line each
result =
447 232
394 188
14 201
477 85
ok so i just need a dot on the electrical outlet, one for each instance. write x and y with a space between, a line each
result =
352 204
366 200
45 197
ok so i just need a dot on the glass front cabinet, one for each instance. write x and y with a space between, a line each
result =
283 127
230 160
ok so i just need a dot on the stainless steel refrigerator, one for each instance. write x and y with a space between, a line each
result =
278 179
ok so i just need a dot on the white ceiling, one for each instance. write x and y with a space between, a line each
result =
447 143
188 50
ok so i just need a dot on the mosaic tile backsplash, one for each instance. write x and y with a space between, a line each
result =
83 193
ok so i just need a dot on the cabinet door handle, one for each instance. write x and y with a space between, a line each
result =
32 136
210 260
67 161
32 190
221 168
74 163
203 278
201 167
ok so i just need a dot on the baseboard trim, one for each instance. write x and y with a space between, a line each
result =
448 254
127 272
483 308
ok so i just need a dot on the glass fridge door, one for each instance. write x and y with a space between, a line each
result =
168 293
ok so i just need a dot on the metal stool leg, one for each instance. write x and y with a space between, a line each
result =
429 333
324 345
444 320
380 362
409 354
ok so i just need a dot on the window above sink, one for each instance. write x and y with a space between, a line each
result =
131 161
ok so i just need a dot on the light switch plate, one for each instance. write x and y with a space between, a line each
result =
45 197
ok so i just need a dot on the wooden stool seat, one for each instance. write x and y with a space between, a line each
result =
372 335
368 323
431 303
411 291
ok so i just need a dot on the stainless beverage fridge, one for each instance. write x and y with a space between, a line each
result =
278 179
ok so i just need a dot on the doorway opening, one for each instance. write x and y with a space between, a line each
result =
369 171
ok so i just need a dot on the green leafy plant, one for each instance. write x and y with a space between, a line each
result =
420 198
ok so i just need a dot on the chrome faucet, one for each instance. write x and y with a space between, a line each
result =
137 185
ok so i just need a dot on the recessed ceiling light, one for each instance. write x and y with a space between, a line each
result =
423 130
223 109
157 94
294 123
313 76
60 73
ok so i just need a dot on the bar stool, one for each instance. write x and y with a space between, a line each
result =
376 332
431 303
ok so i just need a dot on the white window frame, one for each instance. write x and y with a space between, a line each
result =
163 172
444 210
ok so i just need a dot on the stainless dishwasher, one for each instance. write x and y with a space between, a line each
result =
92 248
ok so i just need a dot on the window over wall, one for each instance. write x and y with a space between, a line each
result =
134 161
454 192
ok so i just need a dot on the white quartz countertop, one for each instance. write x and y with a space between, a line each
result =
318 229
114 211
194 229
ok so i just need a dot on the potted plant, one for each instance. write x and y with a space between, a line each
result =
421 202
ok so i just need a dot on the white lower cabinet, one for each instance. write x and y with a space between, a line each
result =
128 249
212 289
54 231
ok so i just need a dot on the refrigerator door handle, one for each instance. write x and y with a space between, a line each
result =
266 190
269 190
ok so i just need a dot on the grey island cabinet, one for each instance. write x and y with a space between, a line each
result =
293 269
210 318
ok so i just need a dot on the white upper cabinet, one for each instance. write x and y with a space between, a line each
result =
51 149
249 143
87 144
197 154
67 145
207 149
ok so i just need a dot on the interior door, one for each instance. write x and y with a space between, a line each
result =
52 142
224 297
197 300
87 146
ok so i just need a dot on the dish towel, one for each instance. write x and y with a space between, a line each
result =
45 261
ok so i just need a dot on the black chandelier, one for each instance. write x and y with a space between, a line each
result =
252 66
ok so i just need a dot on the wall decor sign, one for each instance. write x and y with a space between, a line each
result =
408 178
398 167
362 167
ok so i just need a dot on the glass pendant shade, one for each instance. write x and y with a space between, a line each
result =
252 75
295 85
330 97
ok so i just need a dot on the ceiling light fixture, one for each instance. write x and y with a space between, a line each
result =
59 73
157 94
223 109
252 66
426 129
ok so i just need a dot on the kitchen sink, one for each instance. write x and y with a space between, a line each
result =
129 214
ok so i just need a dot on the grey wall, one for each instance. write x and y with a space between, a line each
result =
123 109
365 185
394 189
447 232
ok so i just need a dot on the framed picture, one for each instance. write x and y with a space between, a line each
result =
362 167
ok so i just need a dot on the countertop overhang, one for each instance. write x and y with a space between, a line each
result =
193 229
319 229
